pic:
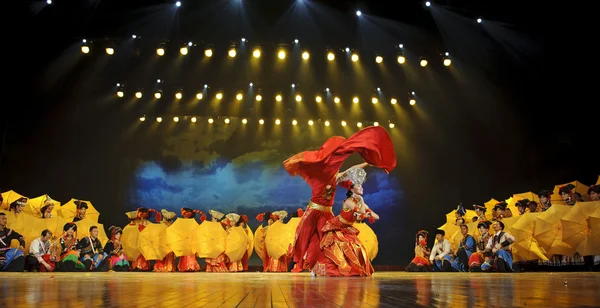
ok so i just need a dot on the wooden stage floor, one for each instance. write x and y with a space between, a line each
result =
384 289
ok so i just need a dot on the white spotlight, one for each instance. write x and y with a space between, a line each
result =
427 3
251 84
133 36
49 1
378 89
243 39
190 44
401 45
118 84
358 13
327 89
296 41
84 41
347 49
447 53
205 86
293 85
479 20
413 92
178 3
158 80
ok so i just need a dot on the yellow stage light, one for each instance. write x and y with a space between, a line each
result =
327 123
138 94
281 54
232 53
183 50
305 55
379 59
261 121
227 121
194 119
374 100
110 51
355 100
142 118
343 123
157 95
208 53
277 121
178 95
376 124
359 124
219 95
354 57
447 62
120 94
298 98
392 125
159 119
239 96
256 53
244 121
310 122
318 99
85 49
413 102
210 120
199 96
294 122
160 51
336 100
176 119
258 97
401 59
278 98
394 101
423 62
330 56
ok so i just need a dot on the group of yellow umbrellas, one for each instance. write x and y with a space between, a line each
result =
561 230
30 223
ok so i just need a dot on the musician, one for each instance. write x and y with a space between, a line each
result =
39 254
92 254
499 250
117 259
11 259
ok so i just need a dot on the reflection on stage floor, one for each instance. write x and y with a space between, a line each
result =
384 289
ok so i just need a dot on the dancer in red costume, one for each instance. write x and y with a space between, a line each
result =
190 263
320 169
141 264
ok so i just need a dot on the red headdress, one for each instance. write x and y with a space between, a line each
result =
243 218
157 215
423 233
114 231
189 213
142 213
260 217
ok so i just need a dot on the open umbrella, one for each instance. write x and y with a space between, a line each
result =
35 206
450 229
209 240
9 197
489 205
129 241
180 235
152 242
518 197
278 239
236 243
548 231
259 241
69 210
598 182
451 218
526 247
369 239
580 188
250 240
575 223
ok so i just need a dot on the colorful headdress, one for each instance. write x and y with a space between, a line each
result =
131 215
166 215
114 231
354 176
423 233
278 215
189 213
18 202
215 214
460 210
299 213
48 201
523 203
567 189
480 207
232 219
546 193
81 204
243 218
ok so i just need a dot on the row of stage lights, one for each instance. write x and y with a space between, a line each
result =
278 97
261 121
281 53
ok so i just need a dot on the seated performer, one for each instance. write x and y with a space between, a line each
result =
342 253
421 261
92 254
271 264
11 259
460 215
533 207
190 263
566 194
466 248
68 254
39 258
81 210
441 254
477 259
46 210
501 210
594 192
167 264
117 260
498 249
545 199
218 264
480 211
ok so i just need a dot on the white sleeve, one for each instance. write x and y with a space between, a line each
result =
489 243
34 249
433 252
447 248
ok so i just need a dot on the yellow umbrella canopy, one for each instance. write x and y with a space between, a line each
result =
83 230
580 188
9 197
548 230
591 244
236 243
209 240
36 204
278 239
518 197
575 223
129 241
250 240
152 242
489 205
525 247
180 235
369 239
259 241
451 218
598 182
69 209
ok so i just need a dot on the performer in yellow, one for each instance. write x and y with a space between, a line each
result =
218 264
271 264
167 264
190 263
142 216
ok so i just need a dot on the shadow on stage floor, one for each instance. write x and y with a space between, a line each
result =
384 289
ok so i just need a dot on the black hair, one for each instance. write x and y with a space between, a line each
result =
2 214
45 232
464 225
70 225
93 227
349 194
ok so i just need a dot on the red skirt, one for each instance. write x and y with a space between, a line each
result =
188 264
217 265
308 236
343 254
167 264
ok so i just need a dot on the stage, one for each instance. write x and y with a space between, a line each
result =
384 289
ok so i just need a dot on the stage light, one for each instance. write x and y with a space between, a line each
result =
84 41
327 89
447 62
330 56
359 124
142 118
190 44
401 59
358 13
158 81
199 95
244 121
176 119
305 55
327 123
296 41
205 86
354 57
178 95
49 1
120 94
208 53
318 99
258 97
293 85
298 98
277 121
85 49
336 99
392 125
210 120
427 3
278 97
447 54
374 100
479 20
347 49
355 100
378 89
344 123
178 3
183 50
118 84
379 59
194 120
232 53
375 123
160 51
394 101
401 46
138 94
412 101
243 40
110 51
239 96
219 95
423 62
159 119
261 121
158 95
227 121
281 54
310 122
256 53
133 36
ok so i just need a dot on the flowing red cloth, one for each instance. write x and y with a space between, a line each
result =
188 264
319 168
167 264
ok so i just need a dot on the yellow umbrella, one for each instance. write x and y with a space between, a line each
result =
598 182
250 240
575 223
526 247
518 197
180 235
209 240
259 241
590 246
548 230
369 239
451 218
83 230
36 204
129 241
278 239
580 188
9 197
152 242
69 210
236 243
